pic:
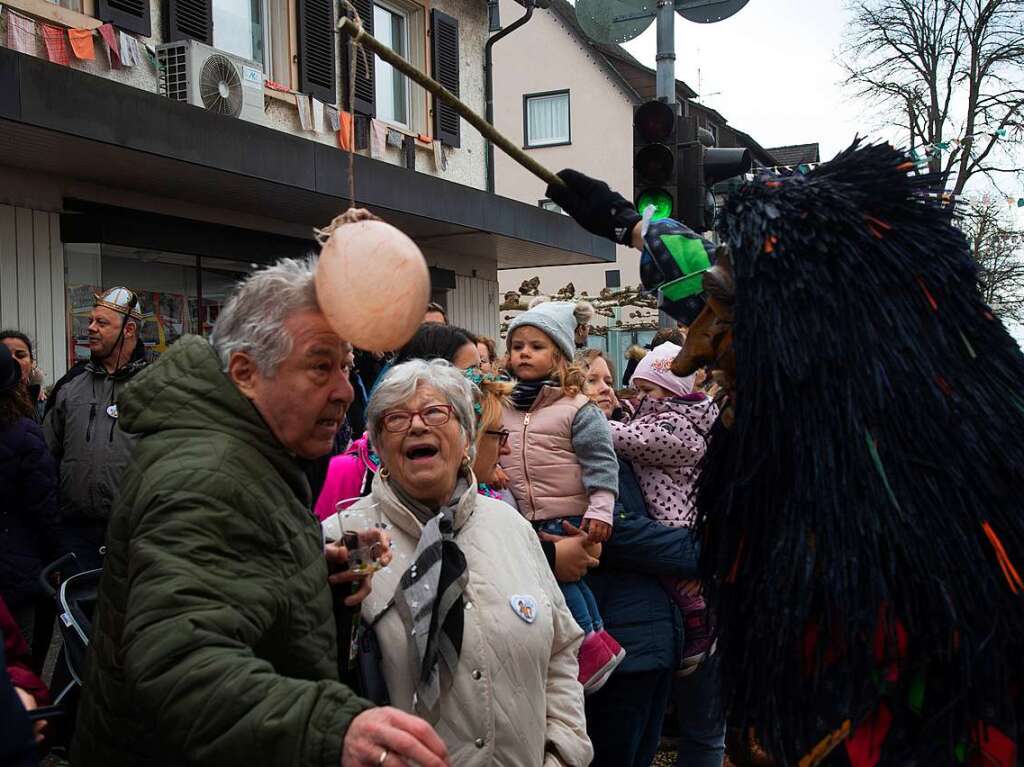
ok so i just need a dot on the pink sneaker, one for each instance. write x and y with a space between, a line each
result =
612 645
596 663
699 642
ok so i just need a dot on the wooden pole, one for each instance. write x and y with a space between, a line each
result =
360 37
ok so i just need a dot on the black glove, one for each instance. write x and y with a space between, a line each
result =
595 206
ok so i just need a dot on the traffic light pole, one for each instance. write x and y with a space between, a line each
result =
666 55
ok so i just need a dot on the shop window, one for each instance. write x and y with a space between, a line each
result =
238 28
179 293
546 119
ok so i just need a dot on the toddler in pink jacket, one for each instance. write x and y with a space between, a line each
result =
561 464
664 440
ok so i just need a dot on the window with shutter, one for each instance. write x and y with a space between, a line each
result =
365 92
316 49
129 15
444 34
189 20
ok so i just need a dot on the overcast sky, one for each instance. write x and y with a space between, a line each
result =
772 70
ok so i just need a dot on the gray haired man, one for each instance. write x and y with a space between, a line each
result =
81 424
214 640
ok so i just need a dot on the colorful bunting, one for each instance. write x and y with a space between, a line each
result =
82 44
109 35
56 41
58 44
21 34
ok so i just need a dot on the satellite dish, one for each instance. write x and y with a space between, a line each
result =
615 21
708 11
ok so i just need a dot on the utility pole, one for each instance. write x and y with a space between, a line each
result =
665 58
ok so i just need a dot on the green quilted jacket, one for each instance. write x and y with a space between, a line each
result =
213 641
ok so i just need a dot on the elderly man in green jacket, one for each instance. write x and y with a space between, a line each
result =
214 640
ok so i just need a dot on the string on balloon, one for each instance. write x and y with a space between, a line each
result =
359 37
352 50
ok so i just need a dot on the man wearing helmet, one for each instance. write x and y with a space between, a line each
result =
81 423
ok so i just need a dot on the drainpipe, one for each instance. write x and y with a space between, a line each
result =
489 83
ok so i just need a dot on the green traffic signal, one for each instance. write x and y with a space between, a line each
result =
654 158
660 199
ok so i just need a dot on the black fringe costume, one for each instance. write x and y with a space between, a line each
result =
863 521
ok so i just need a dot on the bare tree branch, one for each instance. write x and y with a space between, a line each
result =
998 249
945 69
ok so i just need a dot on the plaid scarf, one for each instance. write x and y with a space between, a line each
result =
429 598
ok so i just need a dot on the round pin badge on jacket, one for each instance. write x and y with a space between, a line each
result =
524 606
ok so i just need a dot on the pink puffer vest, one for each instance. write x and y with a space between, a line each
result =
545 476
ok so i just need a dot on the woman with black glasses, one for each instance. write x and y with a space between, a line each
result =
490 396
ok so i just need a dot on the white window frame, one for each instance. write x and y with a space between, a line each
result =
277 41
258 56
528 142
415 18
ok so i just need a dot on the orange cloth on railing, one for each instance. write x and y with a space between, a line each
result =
82 44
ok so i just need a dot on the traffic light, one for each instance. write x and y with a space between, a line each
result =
700 168
718 165
654 158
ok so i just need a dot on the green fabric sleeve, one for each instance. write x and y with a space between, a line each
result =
204 591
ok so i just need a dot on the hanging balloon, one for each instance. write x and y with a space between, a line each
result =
372 284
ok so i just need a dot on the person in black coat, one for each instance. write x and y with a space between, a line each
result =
28 486
625 717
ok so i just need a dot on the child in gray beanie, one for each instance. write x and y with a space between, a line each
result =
562 466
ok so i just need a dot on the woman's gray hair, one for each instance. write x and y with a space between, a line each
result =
400 383
253 319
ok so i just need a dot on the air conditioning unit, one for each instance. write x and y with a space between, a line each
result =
215 80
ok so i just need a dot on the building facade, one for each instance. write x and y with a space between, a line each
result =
205 138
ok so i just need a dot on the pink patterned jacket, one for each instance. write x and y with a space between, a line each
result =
664 441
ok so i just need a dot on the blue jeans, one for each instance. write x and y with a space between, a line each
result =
581 603
578 596
698 702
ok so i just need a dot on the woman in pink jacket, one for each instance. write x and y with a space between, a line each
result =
665 439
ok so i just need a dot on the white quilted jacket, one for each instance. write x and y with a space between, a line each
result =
514 701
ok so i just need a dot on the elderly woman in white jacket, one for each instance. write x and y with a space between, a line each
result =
475 635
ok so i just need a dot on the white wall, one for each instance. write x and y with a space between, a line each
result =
32 284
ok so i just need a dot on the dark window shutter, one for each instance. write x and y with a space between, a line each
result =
316 49
365 101
189 20
444 51
129 15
